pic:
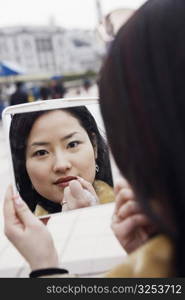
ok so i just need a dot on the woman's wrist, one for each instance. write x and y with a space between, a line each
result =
45 263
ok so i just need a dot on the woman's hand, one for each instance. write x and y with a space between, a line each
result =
131 227
80 193
28 234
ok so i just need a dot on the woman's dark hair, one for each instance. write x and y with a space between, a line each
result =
142 98
20 128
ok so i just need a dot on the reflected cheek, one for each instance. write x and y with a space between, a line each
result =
87 168
36 173
39 175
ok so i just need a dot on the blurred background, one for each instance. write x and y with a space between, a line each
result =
54 49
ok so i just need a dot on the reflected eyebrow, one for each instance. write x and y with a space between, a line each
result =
47 143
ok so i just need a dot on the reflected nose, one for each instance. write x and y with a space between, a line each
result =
61 163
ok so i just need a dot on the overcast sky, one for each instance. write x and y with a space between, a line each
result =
66 13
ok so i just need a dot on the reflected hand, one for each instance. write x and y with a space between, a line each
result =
131 227
28 234
80 193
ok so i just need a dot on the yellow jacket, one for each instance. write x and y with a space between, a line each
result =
154 259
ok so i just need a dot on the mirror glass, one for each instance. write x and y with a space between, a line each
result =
60 157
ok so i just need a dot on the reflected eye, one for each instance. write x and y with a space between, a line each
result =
40 153
73 144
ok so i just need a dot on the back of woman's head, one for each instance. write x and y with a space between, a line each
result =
142 97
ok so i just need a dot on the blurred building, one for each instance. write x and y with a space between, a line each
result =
51 49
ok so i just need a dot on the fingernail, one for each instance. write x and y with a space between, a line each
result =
115 218
80 178
17 199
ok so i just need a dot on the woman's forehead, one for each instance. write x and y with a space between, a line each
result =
52 118
56 121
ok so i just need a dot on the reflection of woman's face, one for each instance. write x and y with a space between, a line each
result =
58 147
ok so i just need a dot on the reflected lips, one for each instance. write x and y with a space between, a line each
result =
63 182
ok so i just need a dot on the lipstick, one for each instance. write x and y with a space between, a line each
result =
64 181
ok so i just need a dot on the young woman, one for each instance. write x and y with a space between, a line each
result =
60 158
142 101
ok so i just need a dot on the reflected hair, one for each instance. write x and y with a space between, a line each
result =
20 129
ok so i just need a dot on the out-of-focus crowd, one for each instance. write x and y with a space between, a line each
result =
24 92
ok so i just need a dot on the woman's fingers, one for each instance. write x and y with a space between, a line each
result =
121 183
133 231
87 185
124 195
24 213
12 224
76 196
129 208
129 225
11 220
28 234
9 211
17 215
76 189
